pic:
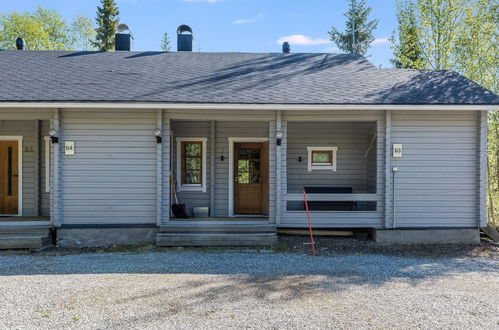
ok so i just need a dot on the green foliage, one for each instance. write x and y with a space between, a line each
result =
82 33
356 24
477 47
107 21
440 22
493 169
165 42
44 29
405 40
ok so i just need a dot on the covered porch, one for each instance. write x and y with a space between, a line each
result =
338 159
221 167
25 158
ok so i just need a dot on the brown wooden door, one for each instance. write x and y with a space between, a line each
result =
251 178
9 177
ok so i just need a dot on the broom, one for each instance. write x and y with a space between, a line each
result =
177 209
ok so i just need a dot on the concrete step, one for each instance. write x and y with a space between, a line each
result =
24 231
217 228
23 242
216 239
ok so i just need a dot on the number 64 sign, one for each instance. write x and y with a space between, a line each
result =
69 148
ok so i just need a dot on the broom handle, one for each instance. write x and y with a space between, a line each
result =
174 189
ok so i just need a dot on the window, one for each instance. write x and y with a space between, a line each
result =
191 164
322 158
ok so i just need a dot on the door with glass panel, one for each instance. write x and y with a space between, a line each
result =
9 177
251 178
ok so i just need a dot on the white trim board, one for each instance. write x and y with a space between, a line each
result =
47 162
239 106
19 140
311 167
230 206
178 174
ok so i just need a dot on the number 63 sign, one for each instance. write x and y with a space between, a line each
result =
397 151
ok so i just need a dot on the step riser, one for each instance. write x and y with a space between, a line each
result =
215 240
226 230
24 232
23 242
218 227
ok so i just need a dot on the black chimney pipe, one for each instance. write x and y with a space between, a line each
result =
285 47
184 41
20 44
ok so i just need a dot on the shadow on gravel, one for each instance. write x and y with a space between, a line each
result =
267 276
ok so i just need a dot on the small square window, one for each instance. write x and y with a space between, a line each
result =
322 158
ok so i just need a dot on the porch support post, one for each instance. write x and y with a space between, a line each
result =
55 189
388 172
278 170
159 170
37 179
212 167
166 152
482 169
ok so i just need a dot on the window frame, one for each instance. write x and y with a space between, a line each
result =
322 166
179 173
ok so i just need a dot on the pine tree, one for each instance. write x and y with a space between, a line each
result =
165 42
406 38
107 20
358 34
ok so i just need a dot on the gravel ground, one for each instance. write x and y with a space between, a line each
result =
215 289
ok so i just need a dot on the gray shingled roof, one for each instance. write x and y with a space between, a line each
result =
34 76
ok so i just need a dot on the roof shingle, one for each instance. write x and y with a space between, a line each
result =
245 78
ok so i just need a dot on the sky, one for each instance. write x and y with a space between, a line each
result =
233 25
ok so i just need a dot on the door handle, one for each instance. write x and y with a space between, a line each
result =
15 175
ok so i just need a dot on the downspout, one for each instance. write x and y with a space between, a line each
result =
394 194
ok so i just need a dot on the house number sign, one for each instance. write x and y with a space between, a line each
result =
69 148
397 151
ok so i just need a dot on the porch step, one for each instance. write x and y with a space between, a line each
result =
24 231
216 227
23 242
22 237
215 239
217 233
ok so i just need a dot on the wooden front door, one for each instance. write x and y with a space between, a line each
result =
251 178
9 177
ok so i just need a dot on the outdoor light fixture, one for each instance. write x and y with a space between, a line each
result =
157 134
53 138
222 155
279 136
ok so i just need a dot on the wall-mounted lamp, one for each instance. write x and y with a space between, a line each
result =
53 138
279 136
221 150
157 134
300 159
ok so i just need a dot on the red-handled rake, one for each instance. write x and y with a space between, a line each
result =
309 223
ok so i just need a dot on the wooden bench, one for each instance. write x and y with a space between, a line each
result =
330 205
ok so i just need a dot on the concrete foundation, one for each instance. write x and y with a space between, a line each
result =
428 236
91 237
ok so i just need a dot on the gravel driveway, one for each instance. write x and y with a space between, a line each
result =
199 290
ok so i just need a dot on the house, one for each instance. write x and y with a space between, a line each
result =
89 142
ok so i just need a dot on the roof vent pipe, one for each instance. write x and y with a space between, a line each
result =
184 38
123 38
285 47
20 44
